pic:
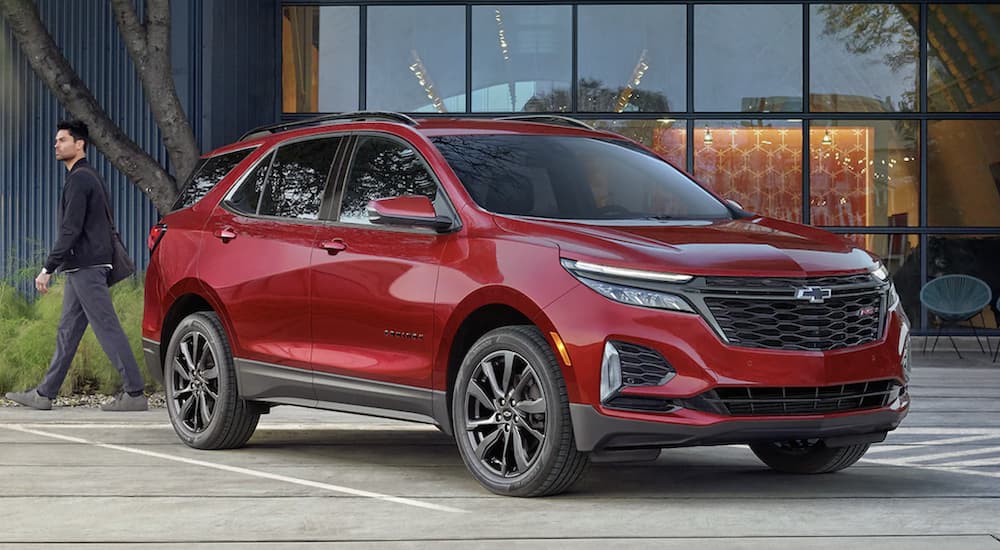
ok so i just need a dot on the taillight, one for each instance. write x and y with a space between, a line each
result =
155 235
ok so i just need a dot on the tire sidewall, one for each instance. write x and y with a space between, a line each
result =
553 389
200 322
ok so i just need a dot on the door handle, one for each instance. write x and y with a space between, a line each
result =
334 246
226 234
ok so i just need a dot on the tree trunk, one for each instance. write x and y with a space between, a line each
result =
55 71
149 47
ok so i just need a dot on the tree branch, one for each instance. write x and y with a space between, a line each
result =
55 71
132 30
156 75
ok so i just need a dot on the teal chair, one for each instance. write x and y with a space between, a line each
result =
954 299
997 352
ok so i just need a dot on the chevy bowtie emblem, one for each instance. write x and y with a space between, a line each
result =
814 294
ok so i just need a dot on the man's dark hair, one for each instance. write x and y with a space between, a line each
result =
76 128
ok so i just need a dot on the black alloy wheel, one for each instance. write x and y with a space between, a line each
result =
510 415
201 392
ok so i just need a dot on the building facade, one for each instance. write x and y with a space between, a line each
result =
879 121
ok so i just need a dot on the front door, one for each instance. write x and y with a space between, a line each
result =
373 287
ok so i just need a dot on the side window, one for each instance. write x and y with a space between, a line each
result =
208 174
247 196
297 179
383 168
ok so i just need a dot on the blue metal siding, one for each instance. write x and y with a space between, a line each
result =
30 178
225 54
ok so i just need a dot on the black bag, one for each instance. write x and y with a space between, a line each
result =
122 266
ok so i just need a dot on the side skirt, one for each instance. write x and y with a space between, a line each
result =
292 386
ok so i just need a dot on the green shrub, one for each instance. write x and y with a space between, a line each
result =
28 340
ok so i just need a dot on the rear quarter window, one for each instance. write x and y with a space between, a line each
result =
208 174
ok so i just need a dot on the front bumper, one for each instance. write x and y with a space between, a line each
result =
596 431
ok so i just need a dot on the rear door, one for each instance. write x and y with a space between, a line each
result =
373 286
256 260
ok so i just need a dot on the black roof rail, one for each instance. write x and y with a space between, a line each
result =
388 116
549 119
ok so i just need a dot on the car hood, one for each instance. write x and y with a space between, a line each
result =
756 247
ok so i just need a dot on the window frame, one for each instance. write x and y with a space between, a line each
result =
272 153
331 214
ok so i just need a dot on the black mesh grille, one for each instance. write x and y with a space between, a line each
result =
799 325
753 401
642 366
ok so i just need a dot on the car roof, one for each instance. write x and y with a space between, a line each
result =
430 127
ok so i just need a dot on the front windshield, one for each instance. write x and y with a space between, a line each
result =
571 177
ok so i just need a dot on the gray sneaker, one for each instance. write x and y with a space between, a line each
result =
30 398
125 402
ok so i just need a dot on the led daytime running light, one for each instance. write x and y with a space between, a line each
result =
632 273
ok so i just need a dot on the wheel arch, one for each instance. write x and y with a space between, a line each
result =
486 310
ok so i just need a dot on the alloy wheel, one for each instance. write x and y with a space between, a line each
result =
195 378
505 413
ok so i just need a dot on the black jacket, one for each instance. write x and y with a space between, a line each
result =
84 229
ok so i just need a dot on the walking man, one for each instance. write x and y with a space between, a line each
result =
83 252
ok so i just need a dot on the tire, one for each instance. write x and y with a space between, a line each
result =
510 414
201 392
807 456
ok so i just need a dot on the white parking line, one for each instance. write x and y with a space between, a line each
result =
244 471
939 456
917 444
287 426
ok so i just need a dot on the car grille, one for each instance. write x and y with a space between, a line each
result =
755 401
765 313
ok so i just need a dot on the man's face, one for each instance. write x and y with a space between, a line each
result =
67 147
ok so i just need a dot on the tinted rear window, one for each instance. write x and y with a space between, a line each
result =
572 177
208 174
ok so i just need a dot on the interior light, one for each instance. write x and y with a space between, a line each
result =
708 135
827 140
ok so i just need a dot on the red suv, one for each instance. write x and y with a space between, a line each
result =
546 293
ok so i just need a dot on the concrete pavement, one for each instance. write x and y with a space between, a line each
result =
308 478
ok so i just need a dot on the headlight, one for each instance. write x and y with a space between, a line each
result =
881 273
638 296
627 293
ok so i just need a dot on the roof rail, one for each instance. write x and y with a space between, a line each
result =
549 119
315 121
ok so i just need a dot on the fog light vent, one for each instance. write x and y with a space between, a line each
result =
642 366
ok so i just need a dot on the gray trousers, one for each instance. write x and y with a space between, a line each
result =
88 300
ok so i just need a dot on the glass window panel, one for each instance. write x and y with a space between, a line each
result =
521 58
757 164
667 137
297 179
208 175
963 173
974 255
901 255
858 66
632 58
319 58
416 58
963 57
748 58
864 173
247 197
383 168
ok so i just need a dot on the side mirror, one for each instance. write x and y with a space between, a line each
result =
735 204
407 210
